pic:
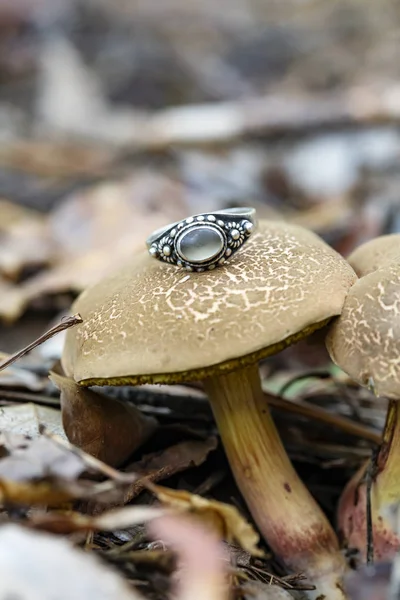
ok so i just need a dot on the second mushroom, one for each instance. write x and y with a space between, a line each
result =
365 343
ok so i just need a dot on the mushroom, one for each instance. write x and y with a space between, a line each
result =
375 253
365 342
154 323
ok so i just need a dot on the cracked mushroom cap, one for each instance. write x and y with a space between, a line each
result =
375 254
365 340
154 323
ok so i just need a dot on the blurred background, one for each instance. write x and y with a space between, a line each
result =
118 117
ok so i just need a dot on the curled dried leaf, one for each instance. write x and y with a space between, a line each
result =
49 471
112 520
218 516
107 428
169 461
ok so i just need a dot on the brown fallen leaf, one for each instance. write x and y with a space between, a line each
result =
12 301
111 520
55 158
107 428
25 242
29 418
224 519
98 217
12 213
55 569
164 464
106 220
20 378
48 471
28 459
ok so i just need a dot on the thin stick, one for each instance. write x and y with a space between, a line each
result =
65 324
369 477
323 416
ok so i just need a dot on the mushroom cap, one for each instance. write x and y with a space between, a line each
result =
365 340
154 323
375 253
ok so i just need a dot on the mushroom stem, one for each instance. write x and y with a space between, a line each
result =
384 494
287 515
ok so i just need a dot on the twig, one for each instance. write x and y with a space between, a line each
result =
369 477
323 416
65 324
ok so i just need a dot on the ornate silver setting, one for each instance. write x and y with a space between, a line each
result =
204 241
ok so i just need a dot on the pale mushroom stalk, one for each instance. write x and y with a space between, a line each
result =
384 496
285 512
388 461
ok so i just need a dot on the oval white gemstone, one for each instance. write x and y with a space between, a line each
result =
200 244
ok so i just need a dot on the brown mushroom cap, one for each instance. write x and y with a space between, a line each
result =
375 254
153 323
365 339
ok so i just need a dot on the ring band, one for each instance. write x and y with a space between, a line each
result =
203 241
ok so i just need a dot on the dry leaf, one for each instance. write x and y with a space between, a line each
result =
36 459
112 520
100 216
37 471
16 377
107 428
12 213
221 518
49 472
107 220
28 419
37 565
163 464
12 301
57 158
25 242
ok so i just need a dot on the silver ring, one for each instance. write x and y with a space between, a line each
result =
204 241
